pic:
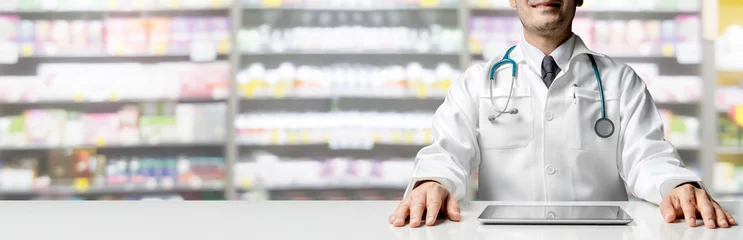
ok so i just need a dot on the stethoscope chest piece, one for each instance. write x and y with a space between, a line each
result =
604 128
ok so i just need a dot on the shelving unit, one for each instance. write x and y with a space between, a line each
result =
725 75
243 98
153 155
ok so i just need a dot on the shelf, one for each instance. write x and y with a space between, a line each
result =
322 144
728 196
118 190
687 148
391 94
334 53
730 150
133 146
335 187
116 10
123 101
729 78
309 150
353 9
694 104
99 56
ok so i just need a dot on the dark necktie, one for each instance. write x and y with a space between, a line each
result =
549 70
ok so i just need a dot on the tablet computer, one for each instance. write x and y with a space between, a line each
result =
574 215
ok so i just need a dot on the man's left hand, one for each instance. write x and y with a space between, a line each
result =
687 201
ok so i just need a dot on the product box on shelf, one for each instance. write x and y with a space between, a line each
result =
689 39
681 131
180 35
8 5
728 97
729 133
101 129
43 38
728 178
18 174
26 37
158 123
159 33
220 33
9 28
61 167
19 88
74 130
13 131
209 80
129 125
727 46
45 126
210 120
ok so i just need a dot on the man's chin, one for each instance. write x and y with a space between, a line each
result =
547 28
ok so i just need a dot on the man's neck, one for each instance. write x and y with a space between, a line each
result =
547 43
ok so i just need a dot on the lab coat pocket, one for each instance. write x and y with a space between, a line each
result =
583 112
507 130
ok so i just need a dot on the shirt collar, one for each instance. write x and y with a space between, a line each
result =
562 54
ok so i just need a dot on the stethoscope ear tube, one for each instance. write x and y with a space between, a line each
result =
514 70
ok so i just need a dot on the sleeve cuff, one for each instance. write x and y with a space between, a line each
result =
668 186
446 183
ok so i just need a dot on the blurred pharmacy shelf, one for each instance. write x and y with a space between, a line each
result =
730 150
108 102
272 63
110 190
332 53
304 150
352 9
369 94
117 10
119 57
727 75
113 146
341 186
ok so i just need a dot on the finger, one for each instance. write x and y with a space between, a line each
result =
401 213
434 202
725 214
452 209
416 209
722 220
667 210
677 206
688 204
730 218
706 209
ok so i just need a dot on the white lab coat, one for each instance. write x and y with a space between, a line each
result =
549 151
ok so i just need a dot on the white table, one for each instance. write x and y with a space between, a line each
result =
309 220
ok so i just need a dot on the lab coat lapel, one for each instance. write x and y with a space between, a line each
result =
528 76
579 67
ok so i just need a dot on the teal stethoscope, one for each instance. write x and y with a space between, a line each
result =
604 127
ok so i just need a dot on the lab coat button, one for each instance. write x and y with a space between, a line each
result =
549 116
550 169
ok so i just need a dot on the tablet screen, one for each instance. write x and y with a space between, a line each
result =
555 213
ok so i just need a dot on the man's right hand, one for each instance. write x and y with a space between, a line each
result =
431 197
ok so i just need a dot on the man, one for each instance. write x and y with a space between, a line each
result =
535 140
